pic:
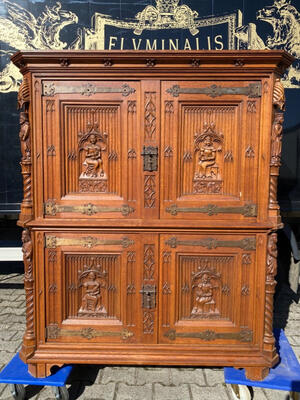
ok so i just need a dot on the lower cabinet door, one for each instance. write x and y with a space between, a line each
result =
210 289
99 287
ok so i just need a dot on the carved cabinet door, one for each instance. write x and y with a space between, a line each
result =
210 149
95 291
208 288
90 148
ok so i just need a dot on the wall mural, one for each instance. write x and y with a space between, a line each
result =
178 26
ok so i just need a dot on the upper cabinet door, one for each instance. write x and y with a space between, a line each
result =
210 149
91 149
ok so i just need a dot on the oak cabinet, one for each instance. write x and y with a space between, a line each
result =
149 208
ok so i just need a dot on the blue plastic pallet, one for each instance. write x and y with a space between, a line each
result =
284 376
16 372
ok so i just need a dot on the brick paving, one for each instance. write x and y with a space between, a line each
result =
133 383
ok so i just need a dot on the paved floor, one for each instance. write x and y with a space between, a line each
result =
121 383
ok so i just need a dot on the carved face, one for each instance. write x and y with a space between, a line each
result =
93 139
92 276
25 236
208 141
205 278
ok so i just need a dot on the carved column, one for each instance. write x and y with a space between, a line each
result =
276 139
29 336
271 269
25 141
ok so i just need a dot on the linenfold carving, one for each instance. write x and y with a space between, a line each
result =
206 145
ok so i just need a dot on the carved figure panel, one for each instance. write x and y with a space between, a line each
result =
207 144
208 150
93 282
93 286
200 287
93 143
205 281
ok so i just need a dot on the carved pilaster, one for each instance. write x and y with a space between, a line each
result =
271 269
28 346
25 141
276 139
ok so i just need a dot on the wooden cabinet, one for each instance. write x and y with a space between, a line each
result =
149 209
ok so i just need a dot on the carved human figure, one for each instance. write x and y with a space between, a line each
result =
92 298
276 139
207 159
93 159
204 295
24 135
27 254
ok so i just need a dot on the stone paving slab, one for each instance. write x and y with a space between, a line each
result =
132 383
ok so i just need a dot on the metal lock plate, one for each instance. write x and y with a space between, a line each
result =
148 296
150 154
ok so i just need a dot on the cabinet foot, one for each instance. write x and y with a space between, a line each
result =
256 373
41 370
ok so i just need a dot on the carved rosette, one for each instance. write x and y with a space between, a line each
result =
29 336
271 269
276 143
25 142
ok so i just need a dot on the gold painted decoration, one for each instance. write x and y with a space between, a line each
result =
21 29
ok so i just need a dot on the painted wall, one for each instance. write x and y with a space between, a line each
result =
148 24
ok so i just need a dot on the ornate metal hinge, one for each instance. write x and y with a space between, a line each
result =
51 208
150 154
52 242
211 243
244 335
148 296
252 90
248 210
87 89
54 332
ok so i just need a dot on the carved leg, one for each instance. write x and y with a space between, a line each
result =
257 373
